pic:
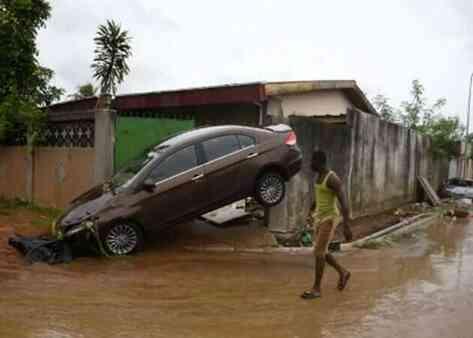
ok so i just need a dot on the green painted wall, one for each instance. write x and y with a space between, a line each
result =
137 134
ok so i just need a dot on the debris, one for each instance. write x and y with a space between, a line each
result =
42 249
430 193
466 201
226 214
461 213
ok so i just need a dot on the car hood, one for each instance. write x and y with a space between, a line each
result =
86 206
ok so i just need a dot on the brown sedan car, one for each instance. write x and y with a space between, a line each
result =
184 177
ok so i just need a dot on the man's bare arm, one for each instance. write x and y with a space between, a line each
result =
336 185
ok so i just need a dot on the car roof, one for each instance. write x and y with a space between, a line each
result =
195 135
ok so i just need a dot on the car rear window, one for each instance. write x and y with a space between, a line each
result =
220 146
246 141
174 164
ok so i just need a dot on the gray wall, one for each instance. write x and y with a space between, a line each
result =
378 161
386 160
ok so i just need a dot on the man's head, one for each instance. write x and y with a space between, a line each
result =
319 161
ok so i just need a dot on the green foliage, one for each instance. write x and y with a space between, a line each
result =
42 92
387 112
24 84
84 91
445 134
20 116
20 21
45 215
111 54
417 114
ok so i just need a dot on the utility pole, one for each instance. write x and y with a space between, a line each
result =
468 123
469 106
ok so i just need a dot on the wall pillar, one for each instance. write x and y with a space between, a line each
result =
104 144
29 173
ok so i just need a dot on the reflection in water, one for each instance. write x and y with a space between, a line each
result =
420 288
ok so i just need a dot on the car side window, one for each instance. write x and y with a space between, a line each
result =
220 146
246 141
174 164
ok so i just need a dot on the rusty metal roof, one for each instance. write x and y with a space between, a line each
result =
224 94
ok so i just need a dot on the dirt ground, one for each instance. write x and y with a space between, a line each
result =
367 225
419 288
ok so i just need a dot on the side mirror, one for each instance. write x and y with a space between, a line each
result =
148 185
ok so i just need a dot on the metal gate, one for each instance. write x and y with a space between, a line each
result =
135 135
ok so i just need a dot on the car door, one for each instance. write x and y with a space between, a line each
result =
223 155
180 188
250 164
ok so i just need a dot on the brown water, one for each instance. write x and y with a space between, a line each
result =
422 287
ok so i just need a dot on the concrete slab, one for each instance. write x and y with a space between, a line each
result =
226 214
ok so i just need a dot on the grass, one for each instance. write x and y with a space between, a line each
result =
46 215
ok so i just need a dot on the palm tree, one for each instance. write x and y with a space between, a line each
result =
111 53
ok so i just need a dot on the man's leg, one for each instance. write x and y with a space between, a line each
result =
343 273
319 272
324 234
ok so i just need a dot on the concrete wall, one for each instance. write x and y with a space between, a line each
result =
59 173
13 168
461 167
378 161
320 103
385 162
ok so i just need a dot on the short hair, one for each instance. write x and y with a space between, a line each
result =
319 157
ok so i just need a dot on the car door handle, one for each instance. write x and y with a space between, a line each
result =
197 177
252 155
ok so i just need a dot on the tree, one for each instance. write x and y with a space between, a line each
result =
24 84
415 113
111 55
386 111
84 91
445 134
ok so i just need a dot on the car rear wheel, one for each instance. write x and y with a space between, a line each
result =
270 189
123 239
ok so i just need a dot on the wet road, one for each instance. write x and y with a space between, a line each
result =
422 287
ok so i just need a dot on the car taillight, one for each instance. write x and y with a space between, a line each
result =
291 139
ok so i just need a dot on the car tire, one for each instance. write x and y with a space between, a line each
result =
270 189
123 238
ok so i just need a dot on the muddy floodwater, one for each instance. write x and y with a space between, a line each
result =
421 287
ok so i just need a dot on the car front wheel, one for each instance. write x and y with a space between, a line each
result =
123 239
270 189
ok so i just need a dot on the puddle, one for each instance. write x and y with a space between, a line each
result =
418 288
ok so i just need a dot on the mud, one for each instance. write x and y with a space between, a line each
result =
422 287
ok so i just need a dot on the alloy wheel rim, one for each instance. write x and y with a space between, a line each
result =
271 189
121 239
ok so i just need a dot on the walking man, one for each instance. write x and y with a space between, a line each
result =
328 189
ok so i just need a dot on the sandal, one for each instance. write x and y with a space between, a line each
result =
311 294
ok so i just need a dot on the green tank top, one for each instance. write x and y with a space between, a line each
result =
326 200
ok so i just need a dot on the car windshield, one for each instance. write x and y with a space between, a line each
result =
124 176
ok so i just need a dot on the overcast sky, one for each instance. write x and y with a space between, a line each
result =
381 44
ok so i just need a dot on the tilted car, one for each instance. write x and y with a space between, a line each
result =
182 178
